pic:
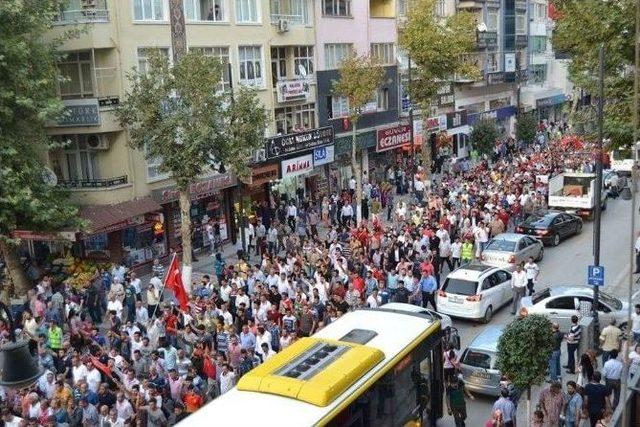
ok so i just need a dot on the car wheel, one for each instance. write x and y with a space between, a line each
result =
579 228
556 240
488 315
540 255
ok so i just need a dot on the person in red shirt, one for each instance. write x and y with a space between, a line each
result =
504 217
274 314
358 283
192 400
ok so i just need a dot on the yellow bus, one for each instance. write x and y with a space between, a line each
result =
371 367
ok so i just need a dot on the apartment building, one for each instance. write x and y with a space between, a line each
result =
131 205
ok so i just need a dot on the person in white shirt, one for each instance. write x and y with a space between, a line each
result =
635 324
78 371
518 286
292 214
532 271
267 352
94 378
47 384
481 237
634 360
346 214
227 378
612 374
456 253
136 283
636 246
123 407
115 305
374 300
142 314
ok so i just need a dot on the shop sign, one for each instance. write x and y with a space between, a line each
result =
417 131
44 237
363 140
264 174
497 114
198 190
444 96
394 137
496 78
323 155
297 166
510 62
456 119
79 112
432 123
279 146
552 100
292 90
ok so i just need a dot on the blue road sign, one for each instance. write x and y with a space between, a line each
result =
596 275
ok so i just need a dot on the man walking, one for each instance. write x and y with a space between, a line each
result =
573 341
506 407
612 372
456 405
554 360
532 271
596 399
610 338
428 287
518 286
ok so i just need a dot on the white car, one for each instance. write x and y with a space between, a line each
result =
474 291
507 250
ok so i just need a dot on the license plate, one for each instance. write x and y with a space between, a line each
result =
480 374
456 300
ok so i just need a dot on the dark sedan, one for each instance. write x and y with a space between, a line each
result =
551 227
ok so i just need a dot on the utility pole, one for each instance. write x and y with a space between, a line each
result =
411 136
632 231
598 195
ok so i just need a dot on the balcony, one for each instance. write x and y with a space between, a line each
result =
471 4
84 11
93 183
293 12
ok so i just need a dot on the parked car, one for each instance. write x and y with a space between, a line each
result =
551 227
478 362
445 321
474 291
559 303
507 250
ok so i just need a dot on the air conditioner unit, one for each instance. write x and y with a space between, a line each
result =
98 142
283 26
89 3
260 155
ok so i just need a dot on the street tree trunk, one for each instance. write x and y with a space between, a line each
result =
185 232
21 283
355 167
528 405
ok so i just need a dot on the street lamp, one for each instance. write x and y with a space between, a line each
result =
18 368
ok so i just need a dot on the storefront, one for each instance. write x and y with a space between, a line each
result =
452 140
43 248
550 108
211 201
262 178
502 116
131 232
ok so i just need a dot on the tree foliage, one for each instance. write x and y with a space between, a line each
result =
359 79
180 114
526 128
438 46
484 135
610 23
524 349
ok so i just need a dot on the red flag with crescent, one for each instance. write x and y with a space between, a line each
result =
174 283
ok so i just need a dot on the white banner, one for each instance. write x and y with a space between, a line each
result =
297 166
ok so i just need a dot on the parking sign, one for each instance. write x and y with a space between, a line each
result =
595 275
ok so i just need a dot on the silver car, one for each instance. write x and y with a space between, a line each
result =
478 362
507 250
561 302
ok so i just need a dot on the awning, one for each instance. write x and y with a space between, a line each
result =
107 218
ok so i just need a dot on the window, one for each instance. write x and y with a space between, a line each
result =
440 8
538 44
493 62
149 10
334 54
204 10
492 20
247 11
81 159
143 57
476 359
539 11
339 107
303 58
538 73
296 118
403 7
383 53
222 53
294 11
460 286
382 99
521 24
153 168
562 303
336 7
78 75
278 64
250 63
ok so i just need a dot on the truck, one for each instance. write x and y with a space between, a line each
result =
574 192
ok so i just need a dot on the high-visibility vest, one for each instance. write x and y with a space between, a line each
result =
467 251
55 338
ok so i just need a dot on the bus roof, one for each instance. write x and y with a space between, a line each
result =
392 335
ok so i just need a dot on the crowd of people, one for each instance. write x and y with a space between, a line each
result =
120 352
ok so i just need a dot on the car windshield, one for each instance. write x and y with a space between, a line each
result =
501 245
477 359
537 221
611 301
460 287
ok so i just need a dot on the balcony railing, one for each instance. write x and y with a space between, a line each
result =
93 183
84 15
292 19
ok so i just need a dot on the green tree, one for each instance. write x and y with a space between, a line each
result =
180 114
28 102
526 128
610 23
359 79
524 349
440 47
483 136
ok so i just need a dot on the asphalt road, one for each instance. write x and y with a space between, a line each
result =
565 264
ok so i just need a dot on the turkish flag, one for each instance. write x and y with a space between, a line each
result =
173 282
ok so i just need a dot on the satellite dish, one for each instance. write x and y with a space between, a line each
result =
482 27
49 177
302 70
